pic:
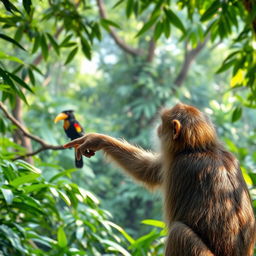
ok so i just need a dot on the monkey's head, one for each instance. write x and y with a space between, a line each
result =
184 127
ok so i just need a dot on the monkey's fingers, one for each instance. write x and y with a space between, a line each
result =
74 143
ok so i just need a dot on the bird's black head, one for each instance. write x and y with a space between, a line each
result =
65 115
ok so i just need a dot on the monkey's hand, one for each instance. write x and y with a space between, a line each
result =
88 144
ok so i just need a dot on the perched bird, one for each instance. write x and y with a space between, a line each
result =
72 129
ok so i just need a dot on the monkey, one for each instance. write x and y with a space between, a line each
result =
207 205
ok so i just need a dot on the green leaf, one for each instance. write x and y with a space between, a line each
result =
44 46
167 28
65 198
174 19
96 31
147 26
28 167
115 247
155 223
226 66
8 195
36 43
71 55
11 58
62 239
20 82
237 113
66 40
211 11
24 179
106 23
118 3
7 5
129 8
27 5
158 30
53 43
35 187
31 76
86 48
9 39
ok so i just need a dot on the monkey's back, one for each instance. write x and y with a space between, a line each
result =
207 192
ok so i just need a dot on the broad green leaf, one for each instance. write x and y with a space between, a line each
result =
24 179
225 66
212 10
158 30
115 247
237 113
118 3
129 8
167 28
31 76
71 55
238 78
62 239
155 223
96 31
53 43
174 19
27 5
66 40
86 48
122 231
246 176
147 26
9 39
20 82
44 46
35 187
36 43
106 23
28 167
8 195
65 198
11 58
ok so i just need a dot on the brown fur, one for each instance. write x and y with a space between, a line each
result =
207 204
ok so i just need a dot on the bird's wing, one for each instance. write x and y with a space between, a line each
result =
78 127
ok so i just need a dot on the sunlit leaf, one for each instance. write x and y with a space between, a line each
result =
8 195
147 26
71 55
24 179
238 78
155 223
246 176
212 10
116 247
62 239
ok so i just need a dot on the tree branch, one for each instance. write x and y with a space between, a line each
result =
189 58
44 145
125 47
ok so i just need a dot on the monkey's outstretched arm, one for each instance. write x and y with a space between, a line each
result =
142 165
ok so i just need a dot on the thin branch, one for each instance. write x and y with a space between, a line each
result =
124 46
44 145
188 59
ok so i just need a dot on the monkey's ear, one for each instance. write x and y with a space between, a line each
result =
176 128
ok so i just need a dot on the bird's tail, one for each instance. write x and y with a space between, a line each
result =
79 163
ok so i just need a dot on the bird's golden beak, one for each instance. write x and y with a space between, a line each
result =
61 116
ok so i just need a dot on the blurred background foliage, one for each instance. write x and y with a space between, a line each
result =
116 63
